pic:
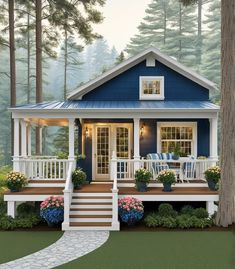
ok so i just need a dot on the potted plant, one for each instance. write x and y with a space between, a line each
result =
142 178
167 177
176 152
15 181
130 210
52 210
78 178
212 175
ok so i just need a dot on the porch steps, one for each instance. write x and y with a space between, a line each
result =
89 211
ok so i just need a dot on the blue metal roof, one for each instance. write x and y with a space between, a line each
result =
83 105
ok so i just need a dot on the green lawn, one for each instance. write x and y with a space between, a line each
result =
161 250
15 245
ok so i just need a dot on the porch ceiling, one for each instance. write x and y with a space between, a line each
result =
48 121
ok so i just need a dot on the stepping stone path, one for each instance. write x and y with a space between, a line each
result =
72 245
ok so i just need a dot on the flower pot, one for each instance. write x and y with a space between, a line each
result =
175 157
141 186
77 186
211 185
167 187
15 189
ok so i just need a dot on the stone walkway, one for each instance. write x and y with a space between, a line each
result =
72 245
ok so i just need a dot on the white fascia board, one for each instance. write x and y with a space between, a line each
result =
164 59
115 114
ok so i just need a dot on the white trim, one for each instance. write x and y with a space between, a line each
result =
174 197
153 52
143 96
182 124
23 138
213 138
120 113
150 61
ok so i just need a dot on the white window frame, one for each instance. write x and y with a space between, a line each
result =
143 96
193 125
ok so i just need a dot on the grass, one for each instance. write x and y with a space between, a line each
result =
14 245
161 250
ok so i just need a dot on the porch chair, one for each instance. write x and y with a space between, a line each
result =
157 167
189 169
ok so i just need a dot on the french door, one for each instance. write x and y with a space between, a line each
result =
109 138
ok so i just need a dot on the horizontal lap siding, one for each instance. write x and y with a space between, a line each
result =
126 85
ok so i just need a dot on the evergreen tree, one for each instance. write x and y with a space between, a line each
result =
153 30
120 58
211 56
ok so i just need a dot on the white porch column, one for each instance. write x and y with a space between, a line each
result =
29 140
16 165
23 139
11 208
136 143
214 138
71 139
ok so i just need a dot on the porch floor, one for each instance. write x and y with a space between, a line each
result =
38 190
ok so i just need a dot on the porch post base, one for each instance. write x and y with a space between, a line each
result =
65 226
116 226
11 208
210 207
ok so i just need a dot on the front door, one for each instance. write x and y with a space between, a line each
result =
109 138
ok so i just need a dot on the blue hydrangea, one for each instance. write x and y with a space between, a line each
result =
53 215
131 216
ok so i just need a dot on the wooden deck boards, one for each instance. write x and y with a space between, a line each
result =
38 191
176 191
106 188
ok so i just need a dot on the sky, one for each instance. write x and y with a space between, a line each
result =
121 18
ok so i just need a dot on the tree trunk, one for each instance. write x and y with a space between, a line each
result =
12 64
65 62
180 33
38 66
226 210
28 55
199 34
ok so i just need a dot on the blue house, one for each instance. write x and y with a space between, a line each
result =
146 105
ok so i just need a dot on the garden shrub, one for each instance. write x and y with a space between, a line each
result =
8 223
25 209
200 213
166 210
187 210
184 222
3 206
153 220
169 222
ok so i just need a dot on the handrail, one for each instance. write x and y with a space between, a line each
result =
68 189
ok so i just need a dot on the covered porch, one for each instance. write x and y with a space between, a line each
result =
117 143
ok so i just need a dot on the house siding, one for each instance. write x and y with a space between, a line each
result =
126 85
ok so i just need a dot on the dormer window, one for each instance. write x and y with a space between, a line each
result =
151 88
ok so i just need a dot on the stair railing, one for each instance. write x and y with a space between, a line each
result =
115 222
68 190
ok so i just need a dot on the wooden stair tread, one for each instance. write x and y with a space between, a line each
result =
90 216
90 209
91 197
91 203
91 224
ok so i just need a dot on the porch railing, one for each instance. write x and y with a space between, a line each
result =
44 168
185 168
68 190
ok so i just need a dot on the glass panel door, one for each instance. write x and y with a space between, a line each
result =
122 150
102 151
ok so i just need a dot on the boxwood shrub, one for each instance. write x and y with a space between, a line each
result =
186 219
